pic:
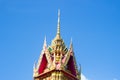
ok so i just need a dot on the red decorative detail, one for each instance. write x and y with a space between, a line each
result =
71 66
64 58
43 64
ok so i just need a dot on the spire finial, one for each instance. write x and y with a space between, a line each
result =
34 67
58 25
71 47
45 44
71 44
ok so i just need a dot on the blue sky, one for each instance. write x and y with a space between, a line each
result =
94 26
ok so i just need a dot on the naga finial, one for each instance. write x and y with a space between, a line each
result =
45 44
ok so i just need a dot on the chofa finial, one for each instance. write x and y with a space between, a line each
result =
71 44
45 44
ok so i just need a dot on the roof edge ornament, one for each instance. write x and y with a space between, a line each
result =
71 45
45 44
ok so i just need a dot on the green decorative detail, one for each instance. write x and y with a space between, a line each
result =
50 49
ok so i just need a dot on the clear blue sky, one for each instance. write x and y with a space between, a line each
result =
94 26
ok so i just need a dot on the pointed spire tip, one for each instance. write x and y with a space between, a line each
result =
45 43
71 44
58 25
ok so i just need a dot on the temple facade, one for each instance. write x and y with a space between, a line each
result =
56 62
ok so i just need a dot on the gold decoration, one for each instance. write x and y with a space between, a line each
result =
57 56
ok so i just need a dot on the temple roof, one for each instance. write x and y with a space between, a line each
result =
56 56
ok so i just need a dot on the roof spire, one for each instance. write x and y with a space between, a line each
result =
71 45
34 65
45 44
58 25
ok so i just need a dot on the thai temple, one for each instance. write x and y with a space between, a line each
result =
57 62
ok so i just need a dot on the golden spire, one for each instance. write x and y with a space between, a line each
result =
58 26
71 45
57 44
34 66
45 44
